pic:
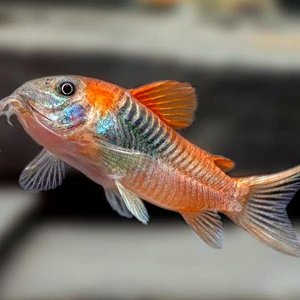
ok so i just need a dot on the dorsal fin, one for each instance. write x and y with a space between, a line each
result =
224 163
174 102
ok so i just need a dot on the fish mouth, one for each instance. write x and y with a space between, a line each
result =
21 104
35 111
16 104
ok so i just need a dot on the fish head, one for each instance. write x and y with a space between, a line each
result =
57 102
58 109
53 111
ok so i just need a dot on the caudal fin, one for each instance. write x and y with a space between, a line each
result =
264 213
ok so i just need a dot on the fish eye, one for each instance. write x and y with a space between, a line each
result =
66 88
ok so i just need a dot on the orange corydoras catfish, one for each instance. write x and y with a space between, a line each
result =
128 141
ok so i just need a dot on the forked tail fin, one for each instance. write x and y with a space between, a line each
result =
264 213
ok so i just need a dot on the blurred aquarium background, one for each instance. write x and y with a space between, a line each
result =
242 56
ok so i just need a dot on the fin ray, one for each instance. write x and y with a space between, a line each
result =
174 102
208 225
264 214
44 172
116 202
133 203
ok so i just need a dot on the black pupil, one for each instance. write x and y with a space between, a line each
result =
67 89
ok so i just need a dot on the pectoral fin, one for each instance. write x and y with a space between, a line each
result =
133 203
115 200
44 172
207 224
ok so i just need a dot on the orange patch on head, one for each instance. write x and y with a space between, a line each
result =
102 95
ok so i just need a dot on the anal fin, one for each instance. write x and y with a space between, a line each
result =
208 225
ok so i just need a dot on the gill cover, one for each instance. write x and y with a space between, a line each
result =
71 116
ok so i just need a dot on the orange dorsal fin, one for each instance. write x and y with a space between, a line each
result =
224 163
174 102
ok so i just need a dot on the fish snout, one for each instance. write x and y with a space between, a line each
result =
17 102
26 92
9 106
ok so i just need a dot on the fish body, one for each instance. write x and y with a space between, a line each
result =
127 140
182 177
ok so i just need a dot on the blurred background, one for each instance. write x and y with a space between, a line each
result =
243 58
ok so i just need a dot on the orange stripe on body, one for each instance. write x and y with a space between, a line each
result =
102 95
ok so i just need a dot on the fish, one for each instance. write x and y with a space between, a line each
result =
129 142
